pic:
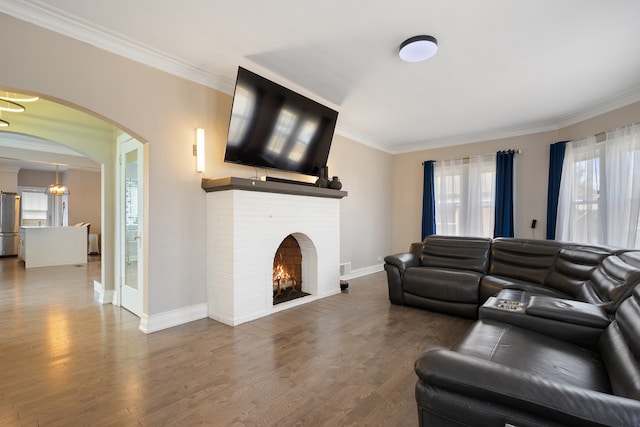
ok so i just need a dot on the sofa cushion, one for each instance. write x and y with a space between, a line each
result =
442 284
535 354
524 259
462 253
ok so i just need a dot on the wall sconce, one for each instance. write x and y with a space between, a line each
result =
198 150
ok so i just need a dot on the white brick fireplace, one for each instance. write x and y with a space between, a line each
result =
246 222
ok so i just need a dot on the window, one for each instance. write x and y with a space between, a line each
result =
465 196
599 201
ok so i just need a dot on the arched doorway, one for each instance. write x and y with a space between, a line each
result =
52 132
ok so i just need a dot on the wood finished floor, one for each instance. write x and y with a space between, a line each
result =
346 360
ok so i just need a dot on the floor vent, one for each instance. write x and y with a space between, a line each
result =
345 269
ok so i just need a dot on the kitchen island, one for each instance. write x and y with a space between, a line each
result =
49 246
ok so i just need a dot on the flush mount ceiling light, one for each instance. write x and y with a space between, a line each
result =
418 48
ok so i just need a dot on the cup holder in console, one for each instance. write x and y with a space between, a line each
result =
510 305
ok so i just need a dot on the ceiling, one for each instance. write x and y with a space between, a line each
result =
503 68
33 138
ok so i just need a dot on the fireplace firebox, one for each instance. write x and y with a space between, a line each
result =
287 271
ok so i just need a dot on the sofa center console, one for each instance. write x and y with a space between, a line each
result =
572 321
506 304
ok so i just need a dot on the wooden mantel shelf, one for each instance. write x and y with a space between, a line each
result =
234 183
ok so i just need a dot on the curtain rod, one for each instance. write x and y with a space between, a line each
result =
516 151
603 135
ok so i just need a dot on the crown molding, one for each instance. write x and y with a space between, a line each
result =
364 139
43 15
605 106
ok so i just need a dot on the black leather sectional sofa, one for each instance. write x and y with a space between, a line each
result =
458 274
557 342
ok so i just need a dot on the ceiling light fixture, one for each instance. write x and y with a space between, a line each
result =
11 106
10 102
57 189
418 48
15 98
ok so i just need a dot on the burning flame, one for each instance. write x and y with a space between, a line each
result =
279 272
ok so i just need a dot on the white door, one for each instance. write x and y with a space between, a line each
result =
131 216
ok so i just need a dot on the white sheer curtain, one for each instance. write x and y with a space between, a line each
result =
600 190
622 187
578 204
465 196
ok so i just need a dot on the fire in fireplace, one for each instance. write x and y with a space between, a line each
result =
287 271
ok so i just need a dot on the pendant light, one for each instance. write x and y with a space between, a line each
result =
57 189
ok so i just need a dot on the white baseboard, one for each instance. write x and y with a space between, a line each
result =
169 319
104 297
363 272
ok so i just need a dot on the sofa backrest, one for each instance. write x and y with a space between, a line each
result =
573 268
614 280
523 259
619 348
461 253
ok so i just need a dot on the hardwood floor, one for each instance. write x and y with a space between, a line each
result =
346 360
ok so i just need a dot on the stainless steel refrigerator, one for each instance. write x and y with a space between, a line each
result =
9 223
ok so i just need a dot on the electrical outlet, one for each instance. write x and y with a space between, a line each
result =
380 258
534 222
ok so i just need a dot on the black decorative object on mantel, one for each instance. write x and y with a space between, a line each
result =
335 183
323 178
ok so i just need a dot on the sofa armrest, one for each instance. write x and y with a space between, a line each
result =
402 261
576 312
488 381
395 266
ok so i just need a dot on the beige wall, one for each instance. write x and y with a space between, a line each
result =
366 174
84 198
8 179
531 175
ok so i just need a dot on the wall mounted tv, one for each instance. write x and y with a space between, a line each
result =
274 127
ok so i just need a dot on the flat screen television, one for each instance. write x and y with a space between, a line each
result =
274 127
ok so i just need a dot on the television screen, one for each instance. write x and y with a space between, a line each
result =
274 127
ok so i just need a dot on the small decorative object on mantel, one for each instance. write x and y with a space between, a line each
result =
323 178
335 183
